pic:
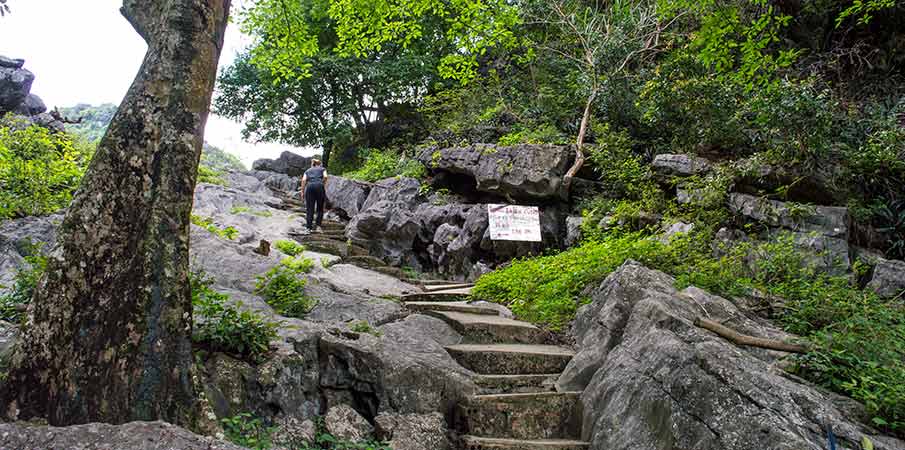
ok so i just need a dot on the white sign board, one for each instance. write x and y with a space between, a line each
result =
514 223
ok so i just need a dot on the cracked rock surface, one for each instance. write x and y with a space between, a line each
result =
652 380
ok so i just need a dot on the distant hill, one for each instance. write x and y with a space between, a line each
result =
95 120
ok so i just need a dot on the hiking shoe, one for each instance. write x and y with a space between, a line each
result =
304 230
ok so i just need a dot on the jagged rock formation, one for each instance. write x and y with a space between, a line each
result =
520 171
288 163
652 379
108 328
16 96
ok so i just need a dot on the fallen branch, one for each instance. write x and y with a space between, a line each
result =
742 339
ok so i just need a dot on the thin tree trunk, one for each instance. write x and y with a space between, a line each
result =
579 145
108 332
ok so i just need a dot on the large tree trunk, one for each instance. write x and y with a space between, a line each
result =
108 332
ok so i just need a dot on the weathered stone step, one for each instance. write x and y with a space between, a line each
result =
485 443
511 359
487 329
365 261
330 246
463 307
320 237
426 283
447 287
542 415
450 295
501 384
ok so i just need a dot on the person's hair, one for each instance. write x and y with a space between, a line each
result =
315 162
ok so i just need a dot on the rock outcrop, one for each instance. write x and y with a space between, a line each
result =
346 197
288 163
888 279
518 172
16 96
101 436
680 165
654 380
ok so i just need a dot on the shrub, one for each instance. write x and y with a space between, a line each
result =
363 326
541 134
13 302
248 431
207 223
381 164
39 170
324 440
211 176
225 327
290 248
282 288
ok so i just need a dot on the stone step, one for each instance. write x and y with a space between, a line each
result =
451 306
447 287
365 261
484 443
540 415
319 237
394 272
487 329
502 384
450 295
330 246
511 359
426 283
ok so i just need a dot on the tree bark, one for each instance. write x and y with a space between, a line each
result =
579 147
108 333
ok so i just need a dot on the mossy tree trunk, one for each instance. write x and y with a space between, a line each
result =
108 332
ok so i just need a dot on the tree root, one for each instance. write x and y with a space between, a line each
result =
742 339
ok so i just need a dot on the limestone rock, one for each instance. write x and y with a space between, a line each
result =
292 433
9 334
277 181
674 230
15 85
680 165
32 105
573 230
653 380
288 163
10 63
830 221
346 424
413 431
889 278
520 171
346 196
101 436
46 120
16 238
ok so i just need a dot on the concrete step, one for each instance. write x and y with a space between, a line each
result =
484 443
543 415
450 295
447 287
487 329
463 307
511 359
514 384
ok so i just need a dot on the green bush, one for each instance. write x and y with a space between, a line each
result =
381 164
248 431
222 326
210 176
207 223
39 170
12 303
542 134
290 248
282 288
325 441
363 326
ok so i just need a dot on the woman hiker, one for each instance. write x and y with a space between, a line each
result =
314 194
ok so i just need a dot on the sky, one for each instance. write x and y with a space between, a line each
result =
86 52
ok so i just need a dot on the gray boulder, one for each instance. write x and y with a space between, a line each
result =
680 165
521 171
653 380
17 236
403 191
573 230
101 436
10 63
48 121
675 229
413 431
346 424
277 181
288 163
387 229
15 84
345 196
830 221
9 334
31 106
889 278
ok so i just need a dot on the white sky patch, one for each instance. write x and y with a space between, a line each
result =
86 52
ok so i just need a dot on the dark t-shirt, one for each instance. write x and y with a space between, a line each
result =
315 175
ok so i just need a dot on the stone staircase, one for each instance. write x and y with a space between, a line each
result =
517 406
